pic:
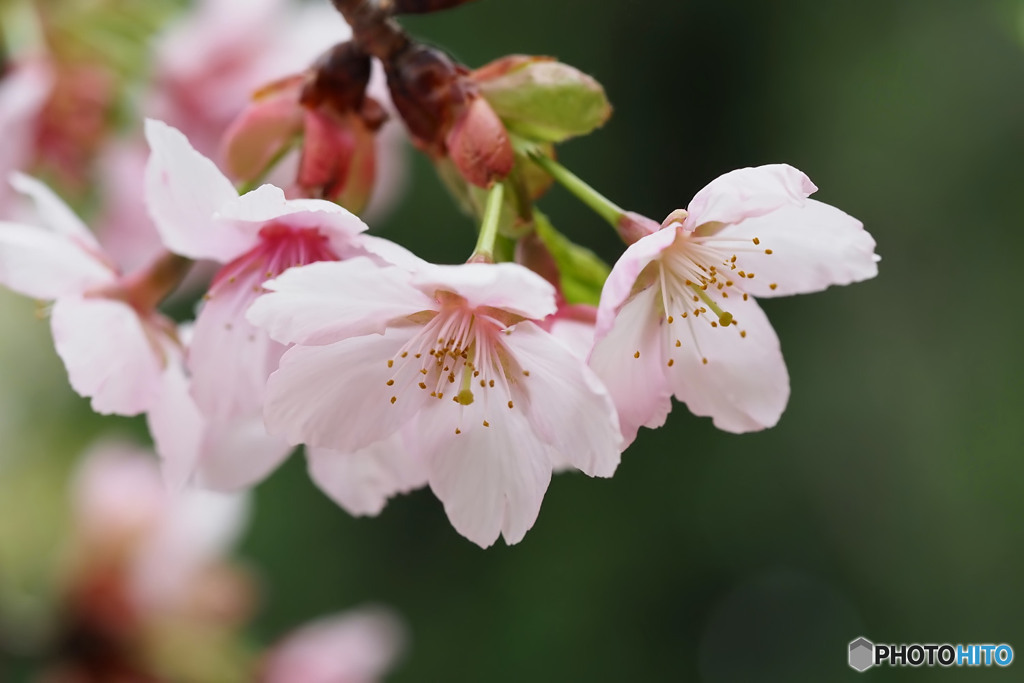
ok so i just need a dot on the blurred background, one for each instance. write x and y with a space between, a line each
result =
887 502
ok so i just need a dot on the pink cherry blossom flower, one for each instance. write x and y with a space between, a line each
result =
259 235
352 647
105 326
450 358
677 313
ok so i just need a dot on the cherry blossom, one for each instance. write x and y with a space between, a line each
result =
24 90
678 315
258 235
351 647
105 326
452 359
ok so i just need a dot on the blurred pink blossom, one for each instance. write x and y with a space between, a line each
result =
352 647
24 90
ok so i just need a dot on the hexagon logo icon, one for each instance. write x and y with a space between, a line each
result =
862 654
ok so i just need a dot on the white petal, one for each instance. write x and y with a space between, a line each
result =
566 404
622 280
267 203
229 358
335 396
364 480
184 191
328 301
54 213
109 354
506 286
42 265
490 479
744 385
748 192
636 382
176 425
812 246
238 454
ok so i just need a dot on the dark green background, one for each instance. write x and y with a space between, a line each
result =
887 503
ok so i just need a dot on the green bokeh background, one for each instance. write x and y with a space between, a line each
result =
888 501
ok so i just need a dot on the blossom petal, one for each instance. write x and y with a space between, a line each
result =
335 396
176 425
490 479
507 286
622 279
268 203
812 247
362 481
184 191
54 213
42 265
329 301
109 354
630 361
746 193
354 647
744 385
566 404
229 358
238 454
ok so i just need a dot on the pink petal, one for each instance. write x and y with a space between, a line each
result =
184 191
812 246
636 382
621 281
176 425
506 286
109 353
746 193
567 406
364 480
42 265
24 90
744 385
336 396
354 647
238 454
229 358
55 214
329 301
268 203
491 479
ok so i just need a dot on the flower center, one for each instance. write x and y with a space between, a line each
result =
458 353
280 247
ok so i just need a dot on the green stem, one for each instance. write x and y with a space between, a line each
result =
604 207
489 227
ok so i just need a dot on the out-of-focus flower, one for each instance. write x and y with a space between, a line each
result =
352 647
677 314
107 331
257 236
451 358
144 568
24 90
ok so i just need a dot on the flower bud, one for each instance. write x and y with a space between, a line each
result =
541 99
632 226
424 6
479 145
263 130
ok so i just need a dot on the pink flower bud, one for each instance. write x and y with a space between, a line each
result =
632 226
264 129
479 145
339 159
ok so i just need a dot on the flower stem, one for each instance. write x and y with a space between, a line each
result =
604 207
484 251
